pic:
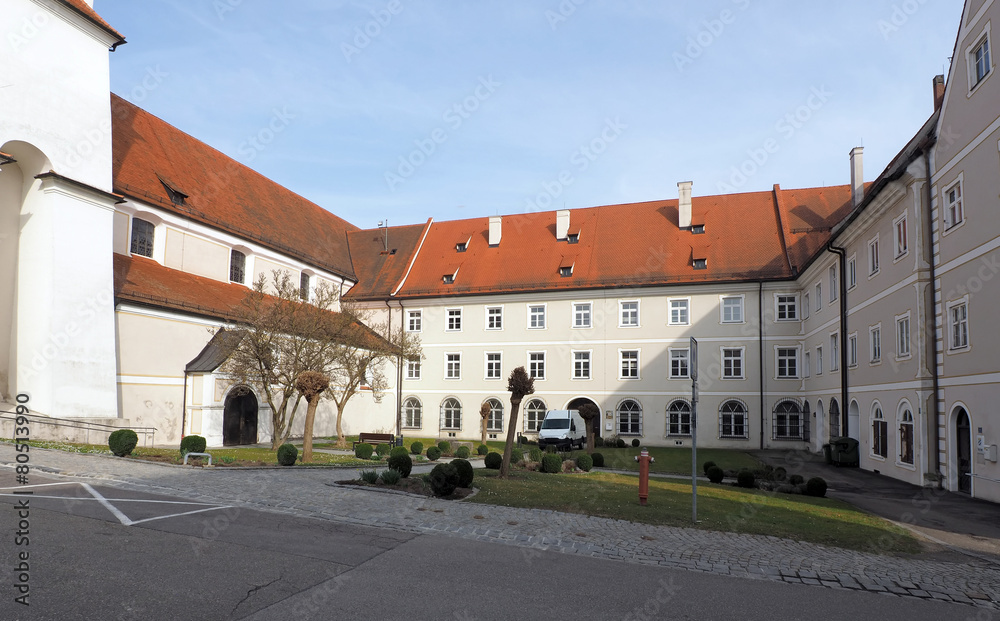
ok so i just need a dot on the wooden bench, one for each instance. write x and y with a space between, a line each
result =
375 438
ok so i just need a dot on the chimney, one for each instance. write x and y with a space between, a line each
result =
938 92
495 230
562 224
857 176
684 204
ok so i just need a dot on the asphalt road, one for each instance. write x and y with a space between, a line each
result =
97 552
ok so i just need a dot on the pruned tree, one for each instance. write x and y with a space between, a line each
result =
520 384
589 412
310 385
484 413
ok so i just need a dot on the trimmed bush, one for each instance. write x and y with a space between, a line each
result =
382 449
398 450
193 444
390 476
585 462
635 442
287 454
620 443
443 479
433 453
715 474
482 449
745 478
364 451
551 463
598 460
445 447
465 472
707 465
369 476
403 464
462 452
779 474
816 486
796 479
493 461
122 442
417 448
535 454
598 441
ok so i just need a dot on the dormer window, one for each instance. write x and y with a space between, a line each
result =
142 238
573 238
698 229
448 279
700 264
176 196
237 267
566 271
461 246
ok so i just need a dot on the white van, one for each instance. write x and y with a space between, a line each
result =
563 429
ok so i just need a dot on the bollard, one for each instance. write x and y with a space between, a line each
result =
644 459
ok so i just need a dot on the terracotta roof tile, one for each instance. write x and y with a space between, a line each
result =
87 11
221 192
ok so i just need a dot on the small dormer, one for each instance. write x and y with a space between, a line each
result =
462 246
699 264
176 196
573 237
566 266
449 277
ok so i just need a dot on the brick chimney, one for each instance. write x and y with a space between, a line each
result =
938 92
684 204
857 176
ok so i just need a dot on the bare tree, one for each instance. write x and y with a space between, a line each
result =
520 384
484 412
310 385
589 411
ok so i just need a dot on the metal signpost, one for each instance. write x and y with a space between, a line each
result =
693 370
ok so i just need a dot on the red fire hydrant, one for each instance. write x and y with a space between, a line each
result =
644 460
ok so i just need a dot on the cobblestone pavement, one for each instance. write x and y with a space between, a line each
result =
312 493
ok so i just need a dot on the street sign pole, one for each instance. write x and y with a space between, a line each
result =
693 369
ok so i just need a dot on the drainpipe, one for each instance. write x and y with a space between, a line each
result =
184 404
929 221
399 364
842 286
760 348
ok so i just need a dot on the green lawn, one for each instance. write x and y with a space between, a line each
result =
675 460
720 507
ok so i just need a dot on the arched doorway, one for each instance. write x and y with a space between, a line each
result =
596 423
854 421
963 450
834 419
239 418
820 417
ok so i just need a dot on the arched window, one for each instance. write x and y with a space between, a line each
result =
787 421
534 413
495 420
412 413
905 434
880 429
629 418
451 414
733 419
834 419
142 237
679 418
237 267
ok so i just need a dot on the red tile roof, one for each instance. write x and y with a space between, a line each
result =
379 269
220 192
750 236
87 11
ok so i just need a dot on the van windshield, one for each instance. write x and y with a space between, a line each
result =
555 423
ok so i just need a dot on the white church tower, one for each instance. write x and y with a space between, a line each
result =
57 337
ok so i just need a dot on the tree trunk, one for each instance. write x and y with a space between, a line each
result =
307 433
341 438
484 430
515 405
590 437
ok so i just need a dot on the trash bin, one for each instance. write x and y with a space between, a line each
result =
827 454
844 452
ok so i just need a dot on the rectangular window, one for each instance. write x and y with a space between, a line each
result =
903 336
852 271
806 367
732 363
875 343
414 321
493 370
834 285
536 316
536 365
787 308
142 238
819 296
679 312
237 266
981 63
679 362
819 361
788 362
412 369
582 314
454 320
805 306
958 316
304 286
899 241
628 314
629 363
494 318
834 351
732 309
953 213
581 365
873 263
852 350
453 366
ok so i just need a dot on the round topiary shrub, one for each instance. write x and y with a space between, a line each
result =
482 449
462 452
779 474
193 444
598 441
465 472
585 462
287 454
535 454
635 442
715 474
403 464
445 447
796 479
620 443
816 486
443 479
398 450
417 448
598 460
433 453
493 461
745 478
706 466
551 463
382 450
122 442
364 450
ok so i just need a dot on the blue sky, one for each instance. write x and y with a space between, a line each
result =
406 110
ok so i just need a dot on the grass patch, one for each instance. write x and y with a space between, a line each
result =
676 460
720 507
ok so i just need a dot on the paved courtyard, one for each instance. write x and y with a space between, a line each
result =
313 493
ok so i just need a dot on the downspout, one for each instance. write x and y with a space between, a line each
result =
760 348
929 196
399 366
842 286
184 404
